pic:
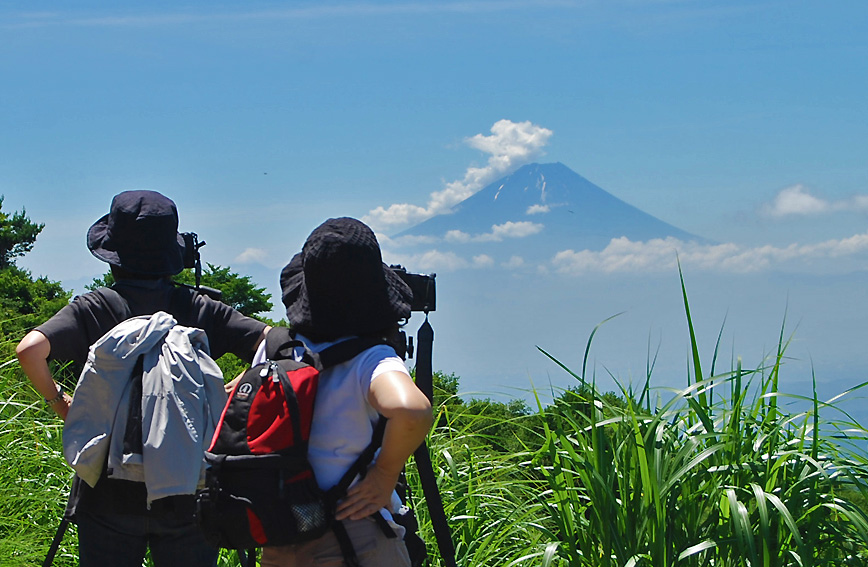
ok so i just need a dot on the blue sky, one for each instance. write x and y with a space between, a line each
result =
744 122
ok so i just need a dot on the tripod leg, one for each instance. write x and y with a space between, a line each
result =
55 543
435 506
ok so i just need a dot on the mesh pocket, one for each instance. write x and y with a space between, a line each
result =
309 517
306 504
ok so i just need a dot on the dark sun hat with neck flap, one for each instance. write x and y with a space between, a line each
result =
140 234
338 285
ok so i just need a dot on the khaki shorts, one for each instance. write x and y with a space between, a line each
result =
372 547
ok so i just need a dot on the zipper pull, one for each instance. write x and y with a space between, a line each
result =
275 371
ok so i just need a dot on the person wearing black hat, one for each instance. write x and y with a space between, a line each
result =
139 239
338 287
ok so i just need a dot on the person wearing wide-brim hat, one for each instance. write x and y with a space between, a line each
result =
140 241
338 287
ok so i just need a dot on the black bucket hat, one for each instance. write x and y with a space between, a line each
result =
140 234
338 285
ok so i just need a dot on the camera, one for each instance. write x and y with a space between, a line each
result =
424 299
193 260
422 286
191 249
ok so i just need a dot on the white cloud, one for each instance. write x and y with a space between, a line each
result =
514 262
408 240
430 261
624 256
498 233
511 229
661 255
483 261
511 142
797 200
537 209
397 215
457 236
251 256
510 145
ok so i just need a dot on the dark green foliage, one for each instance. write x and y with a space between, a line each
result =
231 366
238 291
506 426
445 390
582 402
17 235
26 302
503 427
105 280
512 426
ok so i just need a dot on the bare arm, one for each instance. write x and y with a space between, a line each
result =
397 398
33 351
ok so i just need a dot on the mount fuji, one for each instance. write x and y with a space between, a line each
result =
537 210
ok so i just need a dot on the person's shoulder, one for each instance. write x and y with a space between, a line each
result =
379 358
202 303
95 294
94 299
76 319
222 318
381 350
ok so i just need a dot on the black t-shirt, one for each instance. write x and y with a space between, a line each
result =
88 317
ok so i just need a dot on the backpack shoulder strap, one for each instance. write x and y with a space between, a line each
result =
279 343
360 466
346 350
335 493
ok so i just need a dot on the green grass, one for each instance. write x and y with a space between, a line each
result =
34 477
723 472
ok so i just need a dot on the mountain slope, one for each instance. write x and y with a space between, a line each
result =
546 203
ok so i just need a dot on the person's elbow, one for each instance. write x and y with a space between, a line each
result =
415 419
34 347
421 416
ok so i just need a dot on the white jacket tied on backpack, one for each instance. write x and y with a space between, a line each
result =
182 400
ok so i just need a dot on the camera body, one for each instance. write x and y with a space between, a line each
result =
423 288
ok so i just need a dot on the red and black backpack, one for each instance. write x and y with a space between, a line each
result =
260 488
